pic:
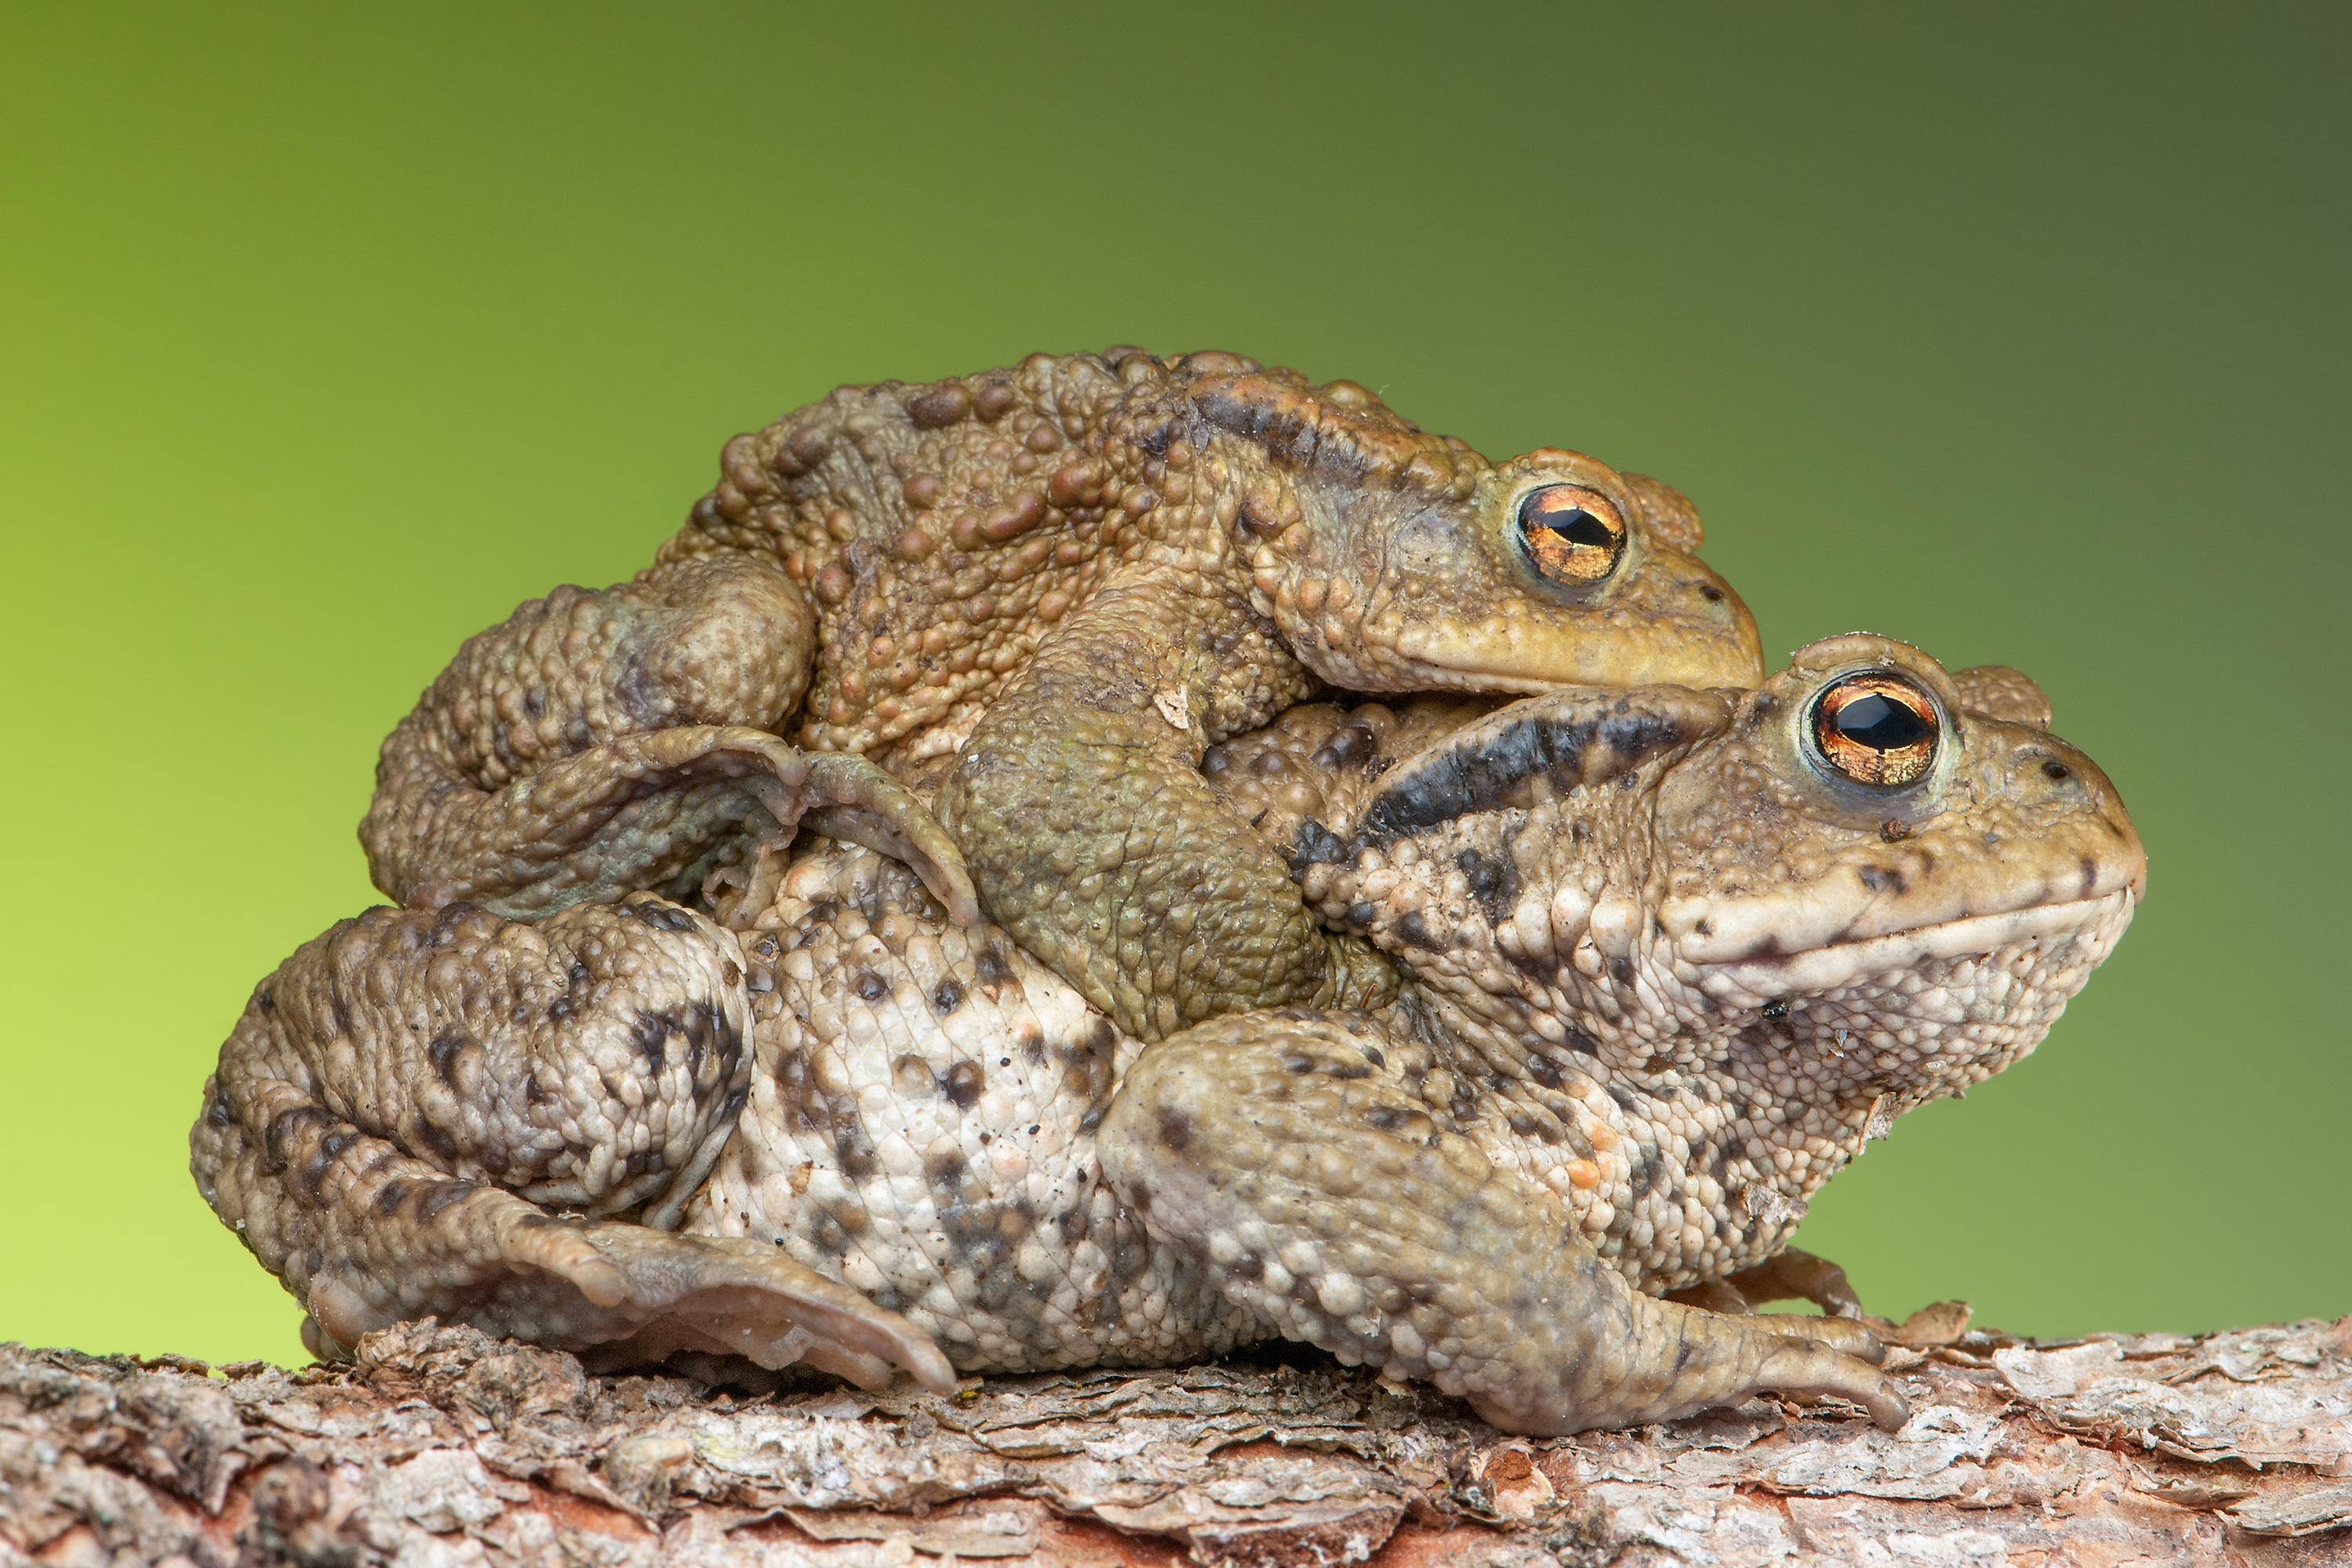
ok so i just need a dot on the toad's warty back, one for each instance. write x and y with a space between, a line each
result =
1058 584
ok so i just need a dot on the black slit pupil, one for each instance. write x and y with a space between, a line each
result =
1578 526
1881 723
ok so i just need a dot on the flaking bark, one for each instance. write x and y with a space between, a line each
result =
442 1445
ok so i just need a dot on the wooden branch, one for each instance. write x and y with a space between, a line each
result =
442 1446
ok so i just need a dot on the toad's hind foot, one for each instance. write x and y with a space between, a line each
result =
636 1294
734 1296
1282 1150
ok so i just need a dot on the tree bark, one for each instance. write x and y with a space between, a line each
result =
442 1446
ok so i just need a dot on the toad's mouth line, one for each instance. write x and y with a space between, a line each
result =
1750 982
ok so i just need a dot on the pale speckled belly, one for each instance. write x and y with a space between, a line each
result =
921 1127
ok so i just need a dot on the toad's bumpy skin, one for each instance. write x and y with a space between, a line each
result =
405 1092
1076 573
1666 969
596 743
1331 1200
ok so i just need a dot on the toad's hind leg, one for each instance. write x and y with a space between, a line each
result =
1281 1148
595 743
406 1099
1093 839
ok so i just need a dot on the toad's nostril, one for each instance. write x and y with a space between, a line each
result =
1710 593
2056 770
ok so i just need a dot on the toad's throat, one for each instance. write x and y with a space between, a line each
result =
1753 980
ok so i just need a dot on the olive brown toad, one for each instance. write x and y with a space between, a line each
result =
1672 955
1058 583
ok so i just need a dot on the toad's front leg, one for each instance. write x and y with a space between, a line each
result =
1094 840
498 1124
1282 1148
598 743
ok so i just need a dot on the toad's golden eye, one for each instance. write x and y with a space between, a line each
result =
1572 534
1876 729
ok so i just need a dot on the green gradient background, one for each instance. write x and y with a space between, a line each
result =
2016 332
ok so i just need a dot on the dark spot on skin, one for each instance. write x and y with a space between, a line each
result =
872 987
1350 747
837 1224
1372 1055
439 1197
535 1092
1883 879
1645 1170
2090 875
1621 969
639 694
217 1111
285 1129
1413 932
1759 711
1543 1070
1360 913
1494 880
1215 761
659 916
1683 1352
1623 1096
941 406
963 1083
1248 1267
439 1142
651 1034
1578 1041
1314 844
442 1054
947 997
1346 1071
558 1010
944 1167
985 1238
852 1147
1778 1008
991 967
1086 1072
1175 1130
311 1178
266 999
534 702
388 1197
1297 1063
446 921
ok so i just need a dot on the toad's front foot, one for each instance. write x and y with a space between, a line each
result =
645 811
1281 1148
